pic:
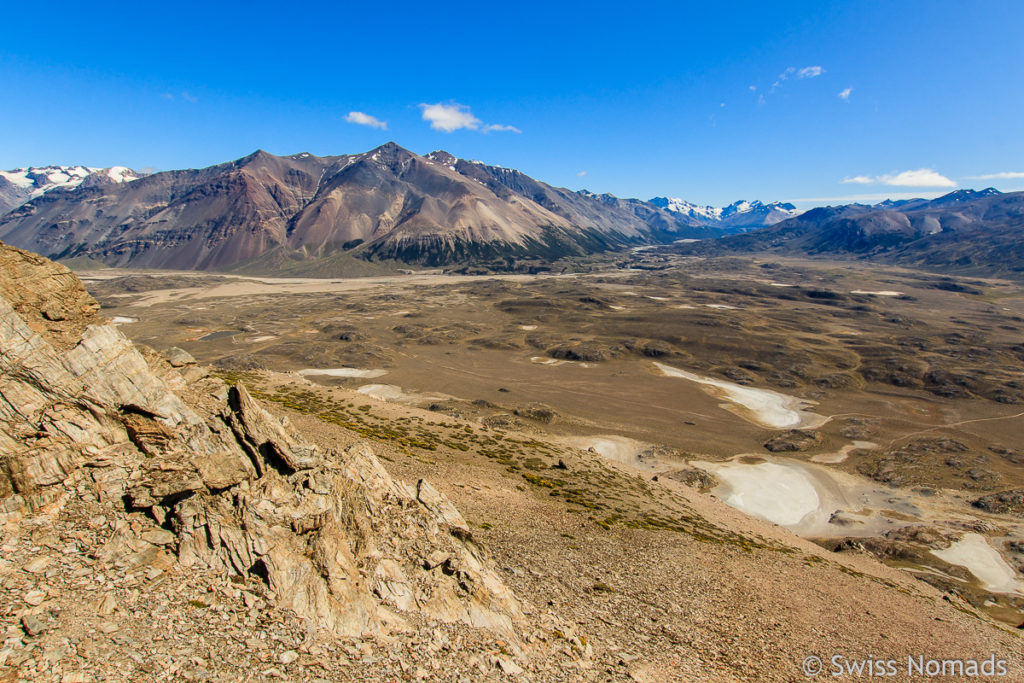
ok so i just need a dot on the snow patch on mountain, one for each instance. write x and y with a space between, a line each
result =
742 213
25 184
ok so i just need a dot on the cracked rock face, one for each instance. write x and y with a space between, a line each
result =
335 538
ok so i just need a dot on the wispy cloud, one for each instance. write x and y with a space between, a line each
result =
192 99
1005 175
784 76
794 72
922 177
499 128
362 119
845 94
581 174
452 116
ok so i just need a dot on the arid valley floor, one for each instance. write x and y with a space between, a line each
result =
577 420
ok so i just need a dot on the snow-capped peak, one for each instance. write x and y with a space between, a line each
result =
25 184
681 206
444 158
767 214
121 174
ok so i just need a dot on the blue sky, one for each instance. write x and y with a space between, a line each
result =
711 101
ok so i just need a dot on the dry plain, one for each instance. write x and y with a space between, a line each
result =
876 412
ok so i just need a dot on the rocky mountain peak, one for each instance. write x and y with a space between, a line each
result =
390 151
444 158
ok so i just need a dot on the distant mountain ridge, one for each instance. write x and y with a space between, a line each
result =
739 216
971 232
385 204
25 184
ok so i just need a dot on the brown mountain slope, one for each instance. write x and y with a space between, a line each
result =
387 203
965 232
179 219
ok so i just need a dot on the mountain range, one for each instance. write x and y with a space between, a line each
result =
25 184
966 231
268 213
739 216
336 215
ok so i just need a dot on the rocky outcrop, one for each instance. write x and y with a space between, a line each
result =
219 480
1005 502
792 440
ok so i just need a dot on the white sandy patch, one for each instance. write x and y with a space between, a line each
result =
684 306
973 552
720 306
616 308
122 320
658 298
528 328
611 446
881 292
395 394
343 372
384 392
838 457
544 360
771 491
761 406
266 337
779 490
780 284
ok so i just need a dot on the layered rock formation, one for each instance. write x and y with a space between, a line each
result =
216 478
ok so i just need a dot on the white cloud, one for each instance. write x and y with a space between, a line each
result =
810 72
454 116
1005 175
449 117
922 177
189 98
499 128
362 119
845 94
581 174
753 88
